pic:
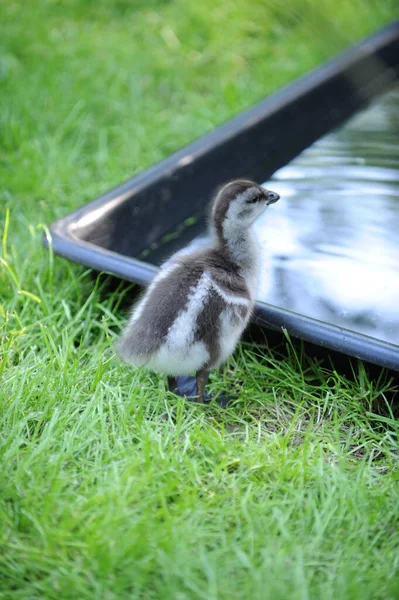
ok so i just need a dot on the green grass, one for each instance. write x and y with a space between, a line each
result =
291 493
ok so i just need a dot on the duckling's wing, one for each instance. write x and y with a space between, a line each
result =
156 314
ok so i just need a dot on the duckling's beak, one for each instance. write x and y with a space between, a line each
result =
272 197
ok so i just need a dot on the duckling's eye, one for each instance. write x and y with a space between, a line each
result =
254 199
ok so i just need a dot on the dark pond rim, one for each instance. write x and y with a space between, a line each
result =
373 64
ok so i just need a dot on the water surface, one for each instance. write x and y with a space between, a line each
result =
331 244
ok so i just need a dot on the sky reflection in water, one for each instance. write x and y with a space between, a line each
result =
331 244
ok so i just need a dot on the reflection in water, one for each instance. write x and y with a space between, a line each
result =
331 244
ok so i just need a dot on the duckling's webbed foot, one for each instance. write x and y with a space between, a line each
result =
186 387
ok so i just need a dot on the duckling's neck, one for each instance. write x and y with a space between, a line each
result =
242 249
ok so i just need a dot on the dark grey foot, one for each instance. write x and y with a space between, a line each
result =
186 387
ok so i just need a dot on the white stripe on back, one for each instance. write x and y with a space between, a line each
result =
229 298
181 332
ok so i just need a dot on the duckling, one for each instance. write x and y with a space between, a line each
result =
194 312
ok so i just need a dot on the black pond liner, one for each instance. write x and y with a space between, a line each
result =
114 232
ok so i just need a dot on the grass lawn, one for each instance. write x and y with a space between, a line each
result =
291 494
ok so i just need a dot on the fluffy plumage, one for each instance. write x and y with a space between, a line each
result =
194 312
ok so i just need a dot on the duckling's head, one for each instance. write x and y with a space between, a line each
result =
238 204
